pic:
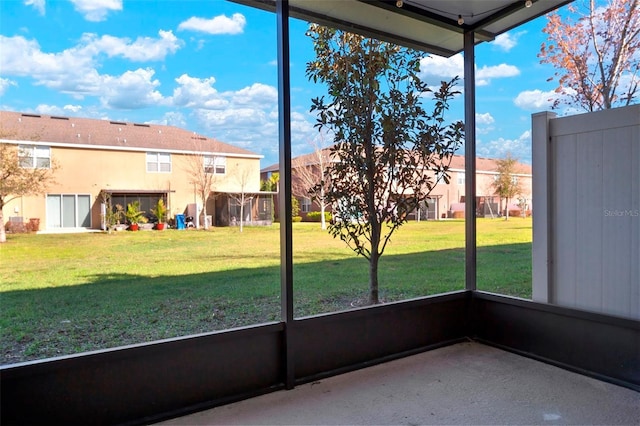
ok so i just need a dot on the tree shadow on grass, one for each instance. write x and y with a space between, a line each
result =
118 309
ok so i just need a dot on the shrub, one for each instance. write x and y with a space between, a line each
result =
315 216
296 219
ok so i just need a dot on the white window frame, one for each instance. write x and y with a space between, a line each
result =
156 160
305 205
34 157
461 178
215 164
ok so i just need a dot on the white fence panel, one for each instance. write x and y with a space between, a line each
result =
586 227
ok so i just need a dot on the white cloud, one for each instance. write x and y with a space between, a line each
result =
96 10
131 90
4 85
72 108
247 117
486 73
440 68
485 118
532 100
176 119
22 57
218 25
484 123
38 5
140 50
75 71
507 41
256 94
519 148
56 110
197 93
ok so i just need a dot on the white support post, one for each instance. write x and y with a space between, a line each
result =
542 165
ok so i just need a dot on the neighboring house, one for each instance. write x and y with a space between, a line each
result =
129 161
445 200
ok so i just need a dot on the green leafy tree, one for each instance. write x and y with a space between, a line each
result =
387 149
18 181
295 208
271 184
506 183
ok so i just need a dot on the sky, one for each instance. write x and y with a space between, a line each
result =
211 67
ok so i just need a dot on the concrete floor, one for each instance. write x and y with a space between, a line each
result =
467 383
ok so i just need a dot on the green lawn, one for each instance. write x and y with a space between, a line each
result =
67 293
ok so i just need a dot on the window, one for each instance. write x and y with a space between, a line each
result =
68 211
215 165
34 157
460 178
305 205
159 162
514 180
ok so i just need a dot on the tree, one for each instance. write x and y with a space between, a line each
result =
387 148
18 181
202 175
311 181
242 176
270 184
597 57
506 183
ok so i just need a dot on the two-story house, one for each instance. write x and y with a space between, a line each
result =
446 200
129 161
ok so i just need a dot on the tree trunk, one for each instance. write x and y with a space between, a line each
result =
204 213
3 233
506 216
323 222
373 278
241 211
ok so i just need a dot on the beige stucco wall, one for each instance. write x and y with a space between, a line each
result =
88 171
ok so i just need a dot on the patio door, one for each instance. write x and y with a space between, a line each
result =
68 211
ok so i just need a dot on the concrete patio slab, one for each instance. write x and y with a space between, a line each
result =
467 383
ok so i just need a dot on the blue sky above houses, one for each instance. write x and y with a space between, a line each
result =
210 67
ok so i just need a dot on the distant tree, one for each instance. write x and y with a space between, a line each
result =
507 184
17 179
387 147
311 181
295 208
271 184
242 176
597 56
201 168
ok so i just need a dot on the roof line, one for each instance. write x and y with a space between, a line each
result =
126 148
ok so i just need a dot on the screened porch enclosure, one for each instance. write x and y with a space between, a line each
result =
144 383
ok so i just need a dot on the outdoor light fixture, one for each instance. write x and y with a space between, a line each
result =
460 20
399 3
528 3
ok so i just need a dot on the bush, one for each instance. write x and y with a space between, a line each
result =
296 219
315 216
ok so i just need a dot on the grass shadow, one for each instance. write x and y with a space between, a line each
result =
113 309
